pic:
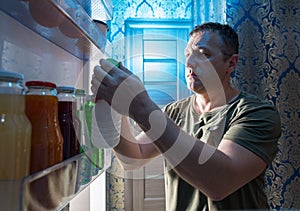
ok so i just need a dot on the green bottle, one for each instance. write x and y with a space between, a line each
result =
97 154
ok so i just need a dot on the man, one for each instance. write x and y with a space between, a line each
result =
217 143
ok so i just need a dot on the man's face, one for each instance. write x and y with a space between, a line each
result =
205 64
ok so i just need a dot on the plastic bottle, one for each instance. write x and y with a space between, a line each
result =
15 139
68 121
42 111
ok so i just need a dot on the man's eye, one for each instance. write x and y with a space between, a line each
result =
206 55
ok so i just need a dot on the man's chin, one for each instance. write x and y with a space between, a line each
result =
195 87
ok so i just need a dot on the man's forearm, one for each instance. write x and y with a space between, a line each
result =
130 152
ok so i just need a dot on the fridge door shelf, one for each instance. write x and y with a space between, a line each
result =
63 22
54 187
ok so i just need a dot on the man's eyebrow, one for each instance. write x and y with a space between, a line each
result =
199 47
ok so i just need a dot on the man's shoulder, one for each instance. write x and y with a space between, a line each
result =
246 98
250 103
179 104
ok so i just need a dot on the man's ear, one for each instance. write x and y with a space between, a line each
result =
233 60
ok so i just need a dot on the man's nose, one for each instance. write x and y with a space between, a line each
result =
189 63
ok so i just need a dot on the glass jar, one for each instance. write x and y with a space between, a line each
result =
69 123
42 111
15 136
15 128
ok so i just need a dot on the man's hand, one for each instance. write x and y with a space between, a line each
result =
119 87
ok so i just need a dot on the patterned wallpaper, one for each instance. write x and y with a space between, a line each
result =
158 9
269 67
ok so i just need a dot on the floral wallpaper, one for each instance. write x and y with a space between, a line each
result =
269 67
159 9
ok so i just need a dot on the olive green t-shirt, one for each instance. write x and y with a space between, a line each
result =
248 121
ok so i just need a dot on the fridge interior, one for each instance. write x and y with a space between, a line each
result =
64 54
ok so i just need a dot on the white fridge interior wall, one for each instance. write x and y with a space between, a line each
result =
24 51
37 58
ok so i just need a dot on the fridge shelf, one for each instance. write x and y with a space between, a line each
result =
52 188
63 22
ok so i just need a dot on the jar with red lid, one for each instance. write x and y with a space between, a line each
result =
46 138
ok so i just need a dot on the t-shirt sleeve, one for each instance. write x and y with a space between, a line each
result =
257 129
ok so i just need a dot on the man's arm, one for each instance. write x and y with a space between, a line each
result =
217 172
134 152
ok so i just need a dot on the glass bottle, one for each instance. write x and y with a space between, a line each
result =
42 111
85 173
80 113
97 153
69 124
15 138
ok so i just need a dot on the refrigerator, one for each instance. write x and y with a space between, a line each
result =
59 41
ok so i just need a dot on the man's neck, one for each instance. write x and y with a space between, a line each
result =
205 103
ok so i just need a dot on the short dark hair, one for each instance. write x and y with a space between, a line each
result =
227 34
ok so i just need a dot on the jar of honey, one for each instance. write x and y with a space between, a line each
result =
42 111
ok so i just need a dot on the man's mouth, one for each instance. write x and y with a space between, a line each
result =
192 75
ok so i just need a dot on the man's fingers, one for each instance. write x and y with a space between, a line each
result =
99 73
106 65
122 67
95 85
97 80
